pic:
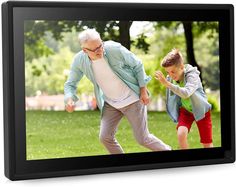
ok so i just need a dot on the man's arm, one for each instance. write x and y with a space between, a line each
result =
136 65
70 87
144 97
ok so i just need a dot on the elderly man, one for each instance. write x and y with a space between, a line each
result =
119 83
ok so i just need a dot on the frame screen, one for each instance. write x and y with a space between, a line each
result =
40 42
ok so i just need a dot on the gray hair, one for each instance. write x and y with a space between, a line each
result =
87 35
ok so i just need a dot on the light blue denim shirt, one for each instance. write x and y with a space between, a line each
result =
123 63
193 89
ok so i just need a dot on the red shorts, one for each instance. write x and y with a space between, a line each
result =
204 125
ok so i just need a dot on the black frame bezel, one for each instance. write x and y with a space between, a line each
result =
13 13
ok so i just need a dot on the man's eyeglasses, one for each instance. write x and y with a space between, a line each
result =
95 50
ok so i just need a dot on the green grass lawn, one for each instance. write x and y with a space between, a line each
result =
61 134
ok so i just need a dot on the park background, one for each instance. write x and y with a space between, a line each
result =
49 49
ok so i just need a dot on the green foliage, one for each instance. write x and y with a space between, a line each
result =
34 36
207 56
214 103
32 53
140 43
107 29
51 45
211 75
171 25
63 135
201 27
37 33
47 73
161 42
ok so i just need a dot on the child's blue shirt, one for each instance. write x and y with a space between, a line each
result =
193 89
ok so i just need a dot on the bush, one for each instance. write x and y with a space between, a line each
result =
214 103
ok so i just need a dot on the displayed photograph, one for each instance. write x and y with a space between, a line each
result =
119 87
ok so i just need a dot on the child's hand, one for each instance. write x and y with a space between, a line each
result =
161 78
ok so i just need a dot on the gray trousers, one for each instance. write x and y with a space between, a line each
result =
136 114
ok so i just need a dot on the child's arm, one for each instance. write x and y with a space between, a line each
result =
161 78
184 92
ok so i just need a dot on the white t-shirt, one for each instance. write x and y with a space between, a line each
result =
116 92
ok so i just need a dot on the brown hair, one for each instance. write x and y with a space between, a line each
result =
174 57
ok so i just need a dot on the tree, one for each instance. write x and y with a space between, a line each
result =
51 39
36 31
202 27
189 43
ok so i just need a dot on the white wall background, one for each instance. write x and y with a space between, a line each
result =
200 176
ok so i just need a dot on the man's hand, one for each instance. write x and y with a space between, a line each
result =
144 98
161 78
70 105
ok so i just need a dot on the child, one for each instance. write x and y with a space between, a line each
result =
186 100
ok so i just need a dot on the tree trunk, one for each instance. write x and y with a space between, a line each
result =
124 27
189 45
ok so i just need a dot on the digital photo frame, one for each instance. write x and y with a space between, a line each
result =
26 157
